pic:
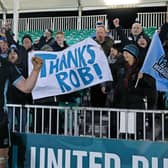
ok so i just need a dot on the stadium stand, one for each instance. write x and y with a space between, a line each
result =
71 36
69 134
74 36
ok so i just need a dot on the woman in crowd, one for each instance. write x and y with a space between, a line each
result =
115 60
130 92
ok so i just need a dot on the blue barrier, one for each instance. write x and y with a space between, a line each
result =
50 151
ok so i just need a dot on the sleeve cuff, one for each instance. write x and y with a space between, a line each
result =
17 80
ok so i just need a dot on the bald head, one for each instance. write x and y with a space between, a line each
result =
136 29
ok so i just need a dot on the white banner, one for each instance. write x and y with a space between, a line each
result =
80 66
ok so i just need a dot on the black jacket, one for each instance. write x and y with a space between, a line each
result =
164 33
128 40
106 45
142 55
22 62
43 42
56 47
15 96
127 96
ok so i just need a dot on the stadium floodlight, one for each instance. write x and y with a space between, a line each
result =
121 2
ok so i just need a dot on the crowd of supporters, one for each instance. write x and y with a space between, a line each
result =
125 60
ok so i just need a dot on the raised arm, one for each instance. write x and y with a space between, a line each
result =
120 32
27 85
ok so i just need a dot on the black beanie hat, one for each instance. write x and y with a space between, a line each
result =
13 48
27 36
49 30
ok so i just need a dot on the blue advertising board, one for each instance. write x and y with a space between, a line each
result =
50 151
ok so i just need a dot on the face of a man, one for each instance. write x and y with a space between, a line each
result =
100 34
1 43
4 47
136 29
59 39
12 57
27 43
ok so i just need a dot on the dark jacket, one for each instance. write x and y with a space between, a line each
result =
56 47
142 55
164 36
23 59
127 96
15 96
98 99
43 42
115 64
127 40
164 32
23 53
10 38
106 45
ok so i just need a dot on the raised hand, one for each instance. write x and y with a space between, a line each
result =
37 63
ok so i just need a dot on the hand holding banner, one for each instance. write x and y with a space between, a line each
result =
77 67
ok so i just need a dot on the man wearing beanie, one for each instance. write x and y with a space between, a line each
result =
27 42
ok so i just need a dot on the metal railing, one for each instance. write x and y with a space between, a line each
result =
115 35
152 19
87 121
57 23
